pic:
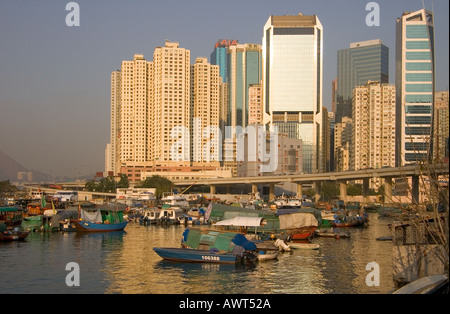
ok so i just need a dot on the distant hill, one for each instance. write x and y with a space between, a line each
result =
9 169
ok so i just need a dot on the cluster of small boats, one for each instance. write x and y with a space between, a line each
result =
219 233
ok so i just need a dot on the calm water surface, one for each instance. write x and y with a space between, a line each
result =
124 262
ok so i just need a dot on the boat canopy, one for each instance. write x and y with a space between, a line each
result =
240 221
94 215
297 220
9 209
210 239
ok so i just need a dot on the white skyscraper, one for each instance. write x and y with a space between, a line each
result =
292 82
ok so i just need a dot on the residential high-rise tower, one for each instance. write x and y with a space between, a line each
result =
373 132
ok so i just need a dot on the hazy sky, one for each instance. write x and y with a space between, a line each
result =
55 79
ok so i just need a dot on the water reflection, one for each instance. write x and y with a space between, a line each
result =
339 266
124 262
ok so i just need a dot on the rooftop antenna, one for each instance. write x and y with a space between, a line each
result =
423 4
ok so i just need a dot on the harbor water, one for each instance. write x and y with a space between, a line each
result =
125 263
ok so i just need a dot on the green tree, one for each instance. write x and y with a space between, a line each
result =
107 185
354 190
90 185
160 183
123 182
329 190
6 188
310 193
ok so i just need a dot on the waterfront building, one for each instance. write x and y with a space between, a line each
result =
415 84
373 131
188 174
361 62
134 114
292 82
112 149
170 140
265 154
151 112
205 133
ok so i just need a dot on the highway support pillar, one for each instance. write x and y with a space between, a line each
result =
271 191
388 190
254 188
212 189
317 186
299 191
343 191
365 190
415 189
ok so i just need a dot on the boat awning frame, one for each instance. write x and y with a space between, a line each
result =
240 221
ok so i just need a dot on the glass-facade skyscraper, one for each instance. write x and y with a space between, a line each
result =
292 82
244 69
362 62
219 56
415 85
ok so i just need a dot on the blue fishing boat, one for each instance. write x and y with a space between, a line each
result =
211 246
195 255
104 219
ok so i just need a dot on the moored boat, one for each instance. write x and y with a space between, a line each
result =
170 215
299 226
303 246
172 199
329 233
195 255
32 223
267 255
103 219
150 216
219 241
12 234
11 216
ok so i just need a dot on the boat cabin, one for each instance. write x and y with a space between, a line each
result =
171 215
11 216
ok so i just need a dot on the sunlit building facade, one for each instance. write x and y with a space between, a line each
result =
415 84
292 82
361 62
373 133
205 105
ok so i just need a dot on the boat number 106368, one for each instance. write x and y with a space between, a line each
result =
210 258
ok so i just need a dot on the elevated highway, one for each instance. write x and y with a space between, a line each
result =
388 173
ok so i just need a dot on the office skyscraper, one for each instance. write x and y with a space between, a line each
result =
244 69
219 56
415 84
292 82
362 62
